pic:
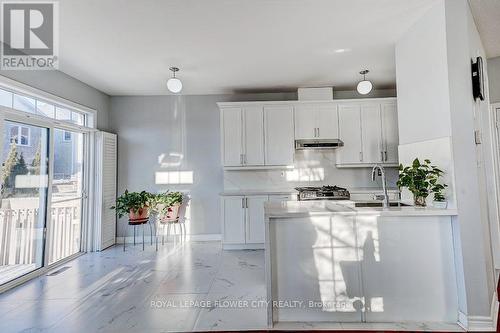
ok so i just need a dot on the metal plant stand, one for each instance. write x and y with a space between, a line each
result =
135 223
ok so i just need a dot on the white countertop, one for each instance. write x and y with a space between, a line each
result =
315 208
353 190
240 192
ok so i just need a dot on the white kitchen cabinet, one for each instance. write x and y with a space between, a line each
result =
390 133
369 130
233 210
350 133
316 121
279 135
232 133
305 122
327 120
243 225
243 136
255 219
253 136
261 135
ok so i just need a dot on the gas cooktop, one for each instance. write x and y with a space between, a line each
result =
323 193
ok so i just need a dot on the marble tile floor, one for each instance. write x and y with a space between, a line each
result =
193 286
136 291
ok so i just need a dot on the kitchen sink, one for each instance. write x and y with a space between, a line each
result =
378 204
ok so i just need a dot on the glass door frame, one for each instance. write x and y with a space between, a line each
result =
8 114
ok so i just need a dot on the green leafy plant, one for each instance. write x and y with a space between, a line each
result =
163 201
132 201
421 179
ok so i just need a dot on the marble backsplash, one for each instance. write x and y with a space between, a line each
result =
312 167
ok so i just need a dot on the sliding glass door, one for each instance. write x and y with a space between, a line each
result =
23 202
64 228
40 211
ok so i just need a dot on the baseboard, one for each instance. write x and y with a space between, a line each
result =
243 246
485 323
192 238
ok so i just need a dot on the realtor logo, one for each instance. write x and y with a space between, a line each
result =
29 35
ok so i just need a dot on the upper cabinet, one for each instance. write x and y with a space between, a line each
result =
369 130
390 132
350 133
279 139
316 121
257 136
261 135
242 136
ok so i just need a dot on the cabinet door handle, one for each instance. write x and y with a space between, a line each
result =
246 202
242 202
385 155
361 156
244 158
381 156
241 158
318 133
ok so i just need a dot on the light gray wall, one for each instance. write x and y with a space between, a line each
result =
150 127
494 79
435 100
65 86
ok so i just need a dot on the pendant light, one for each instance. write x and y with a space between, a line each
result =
174 84
364 87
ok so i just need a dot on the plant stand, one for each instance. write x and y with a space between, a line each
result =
174 223
135 223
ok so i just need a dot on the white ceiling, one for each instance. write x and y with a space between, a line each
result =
487 17
125 47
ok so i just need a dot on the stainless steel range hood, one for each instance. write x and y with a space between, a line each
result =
318 144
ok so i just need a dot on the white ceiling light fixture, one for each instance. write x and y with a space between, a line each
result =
174 84
364 87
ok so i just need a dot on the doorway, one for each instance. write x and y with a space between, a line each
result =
41 197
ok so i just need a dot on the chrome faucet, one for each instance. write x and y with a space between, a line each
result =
384 183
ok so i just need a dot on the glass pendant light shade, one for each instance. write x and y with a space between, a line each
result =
365 86
174 84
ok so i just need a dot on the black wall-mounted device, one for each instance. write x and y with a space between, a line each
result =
477 79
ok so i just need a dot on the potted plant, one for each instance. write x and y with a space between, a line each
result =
135 204
167 205
439 198
421 179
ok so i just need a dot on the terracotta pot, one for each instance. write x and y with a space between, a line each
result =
172 213
141 214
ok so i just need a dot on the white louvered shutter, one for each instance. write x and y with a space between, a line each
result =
106 151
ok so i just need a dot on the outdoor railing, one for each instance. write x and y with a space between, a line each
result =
21 232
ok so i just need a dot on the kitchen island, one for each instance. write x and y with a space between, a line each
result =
330 261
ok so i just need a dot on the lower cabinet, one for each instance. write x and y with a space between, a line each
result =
233 227
254 219
243 220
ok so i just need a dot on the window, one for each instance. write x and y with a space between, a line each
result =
63 114
5 98
20 135
24 103
67 136
45 108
